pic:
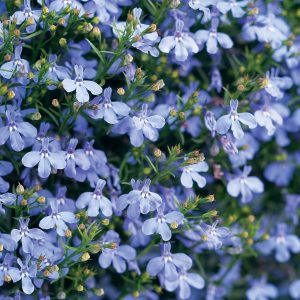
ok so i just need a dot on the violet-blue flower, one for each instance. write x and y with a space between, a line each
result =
81 86
233 119
14 130
232 5
57 219
45 160
182 41
245 185
95 201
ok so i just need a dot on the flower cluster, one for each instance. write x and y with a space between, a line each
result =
149 149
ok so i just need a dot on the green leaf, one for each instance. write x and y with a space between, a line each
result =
151 164
98 52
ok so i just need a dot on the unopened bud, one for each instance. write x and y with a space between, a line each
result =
174 225
1 247
96 32
41 199
53 28
99 292
45 10
61 295
136 294
121 91
11 95
139 73
245 234
68 233
152 28
210 198
20 189
61 21
79 288
250 242
266 236
62 42
46 273
24 202
128 59
158 85
136 38
251 218
95 248
81 226
17 33
181 115
36 116
157 152
85 256
105 222
55 102
173 112
7 278
204 237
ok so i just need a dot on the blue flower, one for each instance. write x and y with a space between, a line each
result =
294 289
26 235
140 200
281 242
59 5
168 264
233 119
234 6
95 201
181 41
5 267
55 72
190 173
212 235
25 14
16 66
211 38
183 283
105 108
273 84
14 129
45 160
6 199
202 5
113 253
57 219
81 86
260 289
26 273
145 125
160 224
75 158
245 185
5 168
7 242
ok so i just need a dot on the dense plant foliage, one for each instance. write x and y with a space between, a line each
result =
149 149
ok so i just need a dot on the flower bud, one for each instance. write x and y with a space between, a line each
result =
55 102
23 202
96 32
85 256
99 292
174 225
17 33
95 248
105 222
79 288
41 199
45 10
53 28
7 278
62 42
20 189
121 91
152 28
68 233
157 153
1 247
158 85
81 226
61 295
136 294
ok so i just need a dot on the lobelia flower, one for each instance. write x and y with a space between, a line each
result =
57 219
167 263
145 125
280 172
59 5
113 253
273 84
245 185
281 242
216 80
95 201
213 236
270 114
160 224
45 160
146 39
75 158
103 9
25 273
28 15
16 66
211 38
13 131
55 72
291 207
103 107
81 86
181 41
233 119
140 200
5 168
294 289
98 165
234 6
202 5
183 283
190 174
6 199
260 289
5 267
228 144
7 242
26 235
